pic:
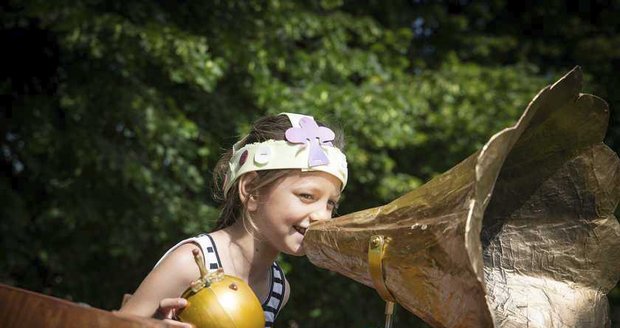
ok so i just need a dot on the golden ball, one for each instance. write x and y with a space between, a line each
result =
226 303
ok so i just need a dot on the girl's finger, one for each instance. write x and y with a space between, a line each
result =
168 307
178 323
172 303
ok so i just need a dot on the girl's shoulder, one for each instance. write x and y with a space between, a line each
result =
180 259
287 292
287 289
203 242
179 263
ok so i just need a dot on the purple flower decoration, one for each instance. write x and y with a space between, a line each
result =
313 135
243 158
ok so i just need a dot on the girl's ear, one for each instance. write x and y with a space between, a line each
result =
246 184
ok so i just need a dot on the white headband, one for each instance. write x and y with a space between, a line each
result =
307 147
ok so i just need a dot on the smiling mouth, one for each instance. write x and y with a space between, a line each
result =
300 230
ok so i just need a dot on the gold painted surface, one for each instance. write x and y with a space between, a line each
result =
229 302
520 234
217 300
376 250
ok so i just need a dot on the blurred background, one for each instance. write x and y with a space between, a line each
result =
113 114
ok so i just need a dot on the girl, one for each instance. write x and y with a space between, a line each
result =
283 176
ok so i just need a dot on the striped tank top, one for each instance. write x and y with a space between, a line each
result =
273 303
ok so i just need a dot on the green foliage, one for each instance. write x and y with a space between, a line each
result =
114 114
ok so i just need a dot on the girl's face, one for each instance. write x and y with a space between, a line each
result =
286 208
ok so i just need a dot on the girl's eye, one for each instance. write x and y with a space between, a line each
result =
306 196
332 205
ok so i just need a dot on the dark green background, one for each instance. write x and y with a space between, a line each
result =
113 114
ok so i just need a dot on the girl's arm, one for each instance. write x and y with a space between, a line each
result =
287 292
166 281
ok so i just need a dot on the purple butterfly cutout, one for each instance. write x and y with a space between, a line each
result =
313 135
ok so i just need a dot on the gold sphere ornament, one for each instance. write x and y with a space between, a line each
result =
217 300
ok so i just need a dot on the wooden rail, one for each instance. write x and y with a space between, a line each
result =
23 308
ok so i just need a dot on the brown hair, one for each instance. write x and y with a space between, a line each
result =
268 127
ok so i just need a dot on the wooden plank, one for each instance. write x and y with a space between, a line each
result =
23 308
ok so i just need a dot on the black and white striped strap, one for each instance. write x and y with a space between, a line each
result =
272 305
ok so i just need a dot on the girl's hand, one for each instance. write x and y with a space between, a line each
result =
167 311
